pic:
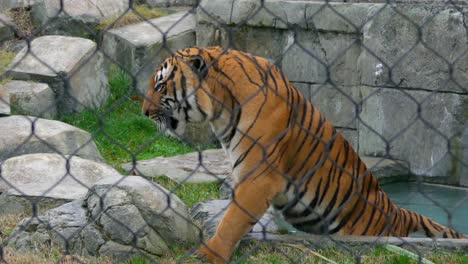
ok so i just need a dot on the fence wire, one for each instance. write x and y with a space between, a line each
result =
396 92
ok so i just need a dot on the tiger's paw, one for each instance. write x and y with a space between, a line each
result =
209 255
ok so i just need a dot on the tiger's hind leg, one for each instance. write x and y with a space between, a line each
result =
251 200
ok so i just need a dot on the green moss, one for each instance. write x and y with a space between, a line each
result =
190 193
6 58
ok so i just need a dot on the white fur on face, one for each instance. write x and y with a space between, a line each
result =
163 73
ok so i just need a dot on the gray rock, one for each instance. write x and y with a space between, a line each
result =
14 204
49 136
168 3
392 40
170 221
39 178
352 136
29 98
67 222
70 66
421 140
386 169
78 18
118 252
140 48
337 103
212 167
6 28
287 14
209 215
464 175
307 55
226 190
210 11
118 218
9 4
5 108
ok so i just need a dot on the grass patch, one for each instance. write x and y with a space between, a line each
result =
6 57
139 13
7 224
22 19
190 193
120 131
49 255
249 252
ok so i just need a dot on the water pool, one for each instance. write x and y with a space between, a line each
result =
454 200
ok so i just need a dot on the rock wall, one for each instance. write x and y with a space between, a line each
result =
393 78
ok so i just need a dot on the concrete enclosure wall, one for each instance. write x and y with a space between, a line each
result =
392 78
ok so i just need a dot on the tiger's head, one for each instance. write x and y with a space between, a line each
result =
178 92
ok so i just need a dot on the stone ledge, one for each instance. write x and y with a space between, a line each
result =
71 66
141 47
333 240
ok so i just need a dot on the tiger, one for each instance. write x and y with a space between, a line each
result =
284 153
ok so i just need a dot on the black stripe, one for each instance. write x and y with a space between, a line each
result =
374 208
244 155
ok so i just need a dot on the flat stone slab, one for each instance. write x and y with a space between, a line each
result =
213 167
140 47
428 136
119 218
30 98
9 4
49 136
209 214
64 178
385 169
78 18
326 241
169 3
70 66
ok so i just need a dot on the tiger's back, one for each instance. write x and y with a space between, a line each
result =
283 151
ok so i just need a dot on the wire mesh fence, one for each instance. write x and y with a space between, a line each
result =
320 108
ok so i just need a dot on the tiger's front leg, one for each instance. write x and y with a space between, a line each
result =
251 200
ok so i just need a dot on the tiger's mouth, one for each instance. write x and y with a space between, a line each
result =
172 122
164 120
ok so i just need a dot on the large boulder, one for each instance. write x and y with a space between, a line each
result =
426 132
6 28
46 180
423 45
77 18
24 135
70 66
8 4
116 218
29 98
140 47
197 167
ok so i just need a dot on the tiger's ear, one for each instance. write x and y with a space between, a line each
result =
199 65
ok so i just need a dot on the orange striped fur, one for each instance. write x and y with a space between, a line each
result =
284 153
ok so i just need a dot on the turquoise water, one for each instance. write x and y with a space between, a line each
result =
435 202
